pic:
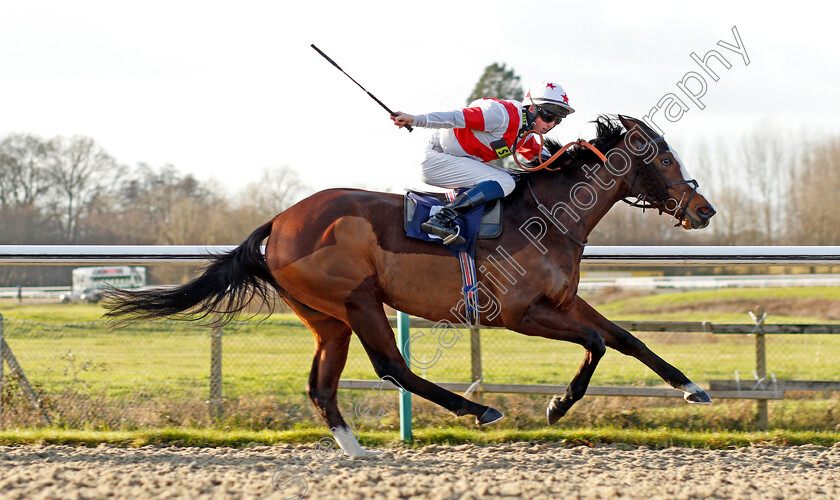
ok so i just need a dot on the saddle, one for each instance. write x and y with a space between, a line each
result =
480 223
489 227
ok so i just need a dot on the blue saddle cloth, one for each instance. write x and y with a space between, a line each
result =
468 223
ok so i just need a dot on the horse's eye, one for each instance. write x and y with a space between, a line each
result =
666 162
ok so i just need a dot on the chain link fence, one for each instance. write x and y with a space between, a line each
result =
155 374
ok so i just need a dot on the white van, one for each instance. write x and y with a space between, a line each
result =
90 282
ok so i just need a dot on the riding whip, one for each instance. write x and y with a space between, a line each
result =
357 83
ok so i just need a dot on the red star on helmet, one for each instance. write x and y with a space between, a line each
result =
565 99
550 86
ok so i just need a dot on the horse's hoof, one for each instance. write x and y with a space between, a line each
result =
698 398
555 410
489 416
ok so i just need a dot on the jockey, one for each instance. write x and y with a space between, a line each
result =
466 139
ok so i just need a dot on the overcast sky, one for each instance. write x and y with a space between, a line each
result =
224 90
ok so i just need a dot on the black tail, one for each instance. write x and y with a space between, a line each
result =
226 287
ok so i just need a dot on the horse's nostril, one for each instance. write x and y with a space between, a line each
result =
706 212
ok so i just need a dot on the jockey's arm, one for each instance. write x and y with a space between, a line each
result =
447 119
482 115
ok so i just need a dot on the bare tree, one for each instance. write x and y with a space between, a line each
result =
276 190
815 210
23 169
767 161
80 172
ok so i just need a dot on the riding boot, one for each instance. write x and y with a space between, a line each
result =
443 223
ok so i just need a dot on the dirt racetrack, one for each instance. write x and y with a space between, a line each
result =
521 470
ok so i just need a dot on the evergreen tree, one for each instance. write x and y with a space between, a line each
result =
499 82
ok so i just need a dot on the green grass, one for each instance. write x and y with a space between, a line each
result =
52 313
655 438
649 307
75 312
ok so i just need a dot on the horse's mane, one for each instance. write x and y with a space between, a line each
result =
609 132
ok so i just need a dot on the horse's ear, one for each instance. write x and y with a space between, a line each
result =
629 122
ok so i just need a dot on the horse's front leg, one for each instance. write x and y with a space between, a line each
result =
544 320
624 342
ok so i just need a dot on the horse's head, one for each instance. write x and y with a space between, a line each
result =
657 176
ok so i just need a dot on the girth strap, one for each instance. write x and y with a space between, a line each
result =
468 277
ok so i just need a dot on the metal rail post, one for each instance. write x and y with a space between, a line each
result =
403 335
475 358
215 401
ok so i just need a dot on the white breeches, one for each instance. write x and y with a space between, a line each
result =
453 172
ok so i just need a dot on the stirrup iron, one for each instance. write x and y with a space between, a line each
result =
452 237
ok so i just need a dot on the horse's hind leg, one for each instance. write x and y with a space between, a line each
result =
624 342
367 317
332 340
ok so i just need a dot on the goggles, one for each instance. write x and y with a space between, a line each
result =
548 117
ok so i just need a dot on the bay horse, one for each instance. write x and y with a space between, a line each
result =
337 256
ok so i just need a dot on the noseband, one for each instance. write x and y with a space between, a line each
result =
655 192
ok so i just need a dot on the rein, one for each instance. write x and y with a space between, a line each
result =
544 164
566 233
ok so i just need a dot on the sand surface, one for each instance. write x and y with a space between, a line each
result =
521 470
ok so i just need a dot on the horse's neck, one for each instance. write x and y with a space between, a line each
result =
579 199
